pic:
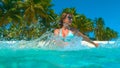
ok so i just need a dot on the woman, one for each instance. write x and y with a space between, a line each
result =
66 33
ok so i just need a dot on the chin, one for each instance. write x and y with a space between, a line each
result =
70 23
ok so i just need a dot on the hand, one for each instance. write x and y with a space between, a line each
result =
96 44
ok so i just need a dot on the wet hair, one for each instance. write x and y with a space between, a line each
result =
62 18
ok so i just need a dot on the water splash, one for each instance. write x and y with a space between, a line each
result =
117 43
50 42
46 41
111 44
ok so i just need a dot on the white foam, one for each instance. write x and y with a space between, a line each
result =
82 42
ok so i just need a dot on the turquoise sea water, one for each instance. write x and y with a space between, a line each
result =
32 54
39 58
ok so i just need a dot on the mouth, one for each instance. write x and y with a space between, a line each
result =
70 21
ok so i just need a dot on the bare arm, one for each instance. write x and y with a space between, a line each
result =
76 32
56 32
87 39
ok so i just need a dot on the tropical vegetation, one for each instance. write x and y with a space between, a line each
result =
29 19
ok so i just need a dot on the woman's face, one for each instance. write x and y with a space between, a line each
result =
68 19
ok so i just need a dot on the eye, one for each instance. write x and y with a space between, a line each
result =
69 17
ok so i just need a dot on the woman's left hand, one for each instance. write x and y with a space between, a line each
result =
96 44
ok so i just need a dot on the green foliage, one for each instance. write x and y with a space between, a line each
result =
103 33
29 19
10 12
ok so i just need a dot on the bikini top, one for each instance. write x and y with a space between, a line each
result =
68 38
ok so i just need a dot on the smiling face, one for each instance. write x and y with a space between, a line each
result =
68 19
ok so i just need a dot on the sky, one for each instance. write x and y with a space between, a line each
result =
109 10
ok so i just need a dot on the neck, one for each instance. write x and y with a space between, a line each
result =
66 26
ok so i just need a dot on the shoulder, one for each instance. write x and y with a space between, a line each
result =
56 31
76 32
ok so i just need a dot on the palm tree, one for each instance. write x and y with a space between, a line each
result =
10 13
33 9
109 34
24 13
38 11
84 24
103 33
99 28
